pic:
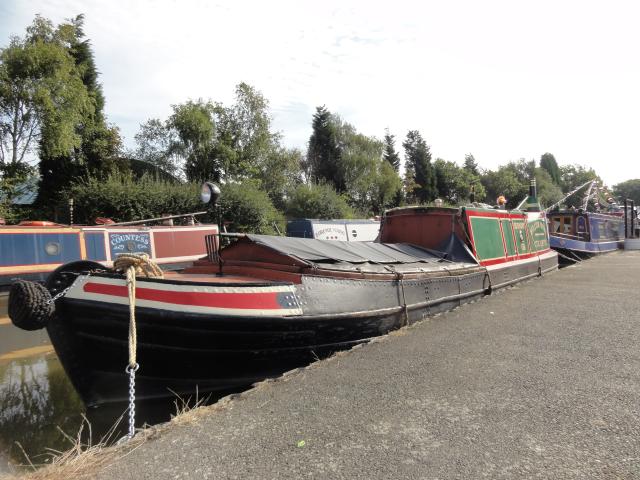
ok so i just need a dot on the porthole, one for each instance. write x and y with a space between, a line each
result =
53 248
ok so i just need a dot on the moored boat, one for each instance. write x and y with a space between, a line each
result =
264 305
577 234
33 249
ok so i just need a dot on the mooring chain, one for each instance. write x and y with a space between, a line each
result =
134 264
132 399
63 292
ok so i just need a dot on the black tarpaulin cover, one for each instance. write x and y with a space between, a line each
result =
314 250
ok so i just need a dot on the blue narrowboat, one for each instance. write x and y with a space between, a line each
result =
578 234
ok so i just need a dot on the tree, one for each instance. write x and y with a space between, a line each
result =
195 129
470 164
211 141
571 177
323 155
317 201
156 144
280 173
42 95
418 157
249 208
628 190
548 162
253 140
454 183
513 179
386 188
390 154
97 152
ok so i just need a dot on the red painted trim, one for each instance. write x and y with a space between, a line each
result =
247 301
496 261
495 214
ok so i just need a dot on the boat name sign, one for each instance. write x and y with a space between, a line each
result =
129 243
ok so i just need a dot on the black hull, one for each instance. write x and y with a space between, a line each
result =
181 353
184 353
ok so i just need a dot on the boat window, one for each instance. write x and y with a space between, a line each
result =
555 224
566 225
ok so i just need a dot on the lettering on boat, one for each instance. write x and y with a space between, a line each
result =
130 242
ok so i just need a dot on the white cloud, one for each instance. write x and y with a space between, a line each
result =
500 79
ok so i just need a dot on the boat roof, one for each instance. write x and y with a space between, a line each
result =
330 251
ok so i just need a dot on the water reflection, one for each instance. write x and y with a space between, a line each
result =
36 402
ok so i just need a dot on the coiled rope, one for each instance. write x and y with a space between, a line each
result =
134 265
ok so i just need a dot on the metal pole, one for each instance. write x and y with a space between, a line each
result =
626 220
157 219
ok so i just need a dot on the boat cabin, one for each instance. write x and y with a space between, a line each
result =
585 226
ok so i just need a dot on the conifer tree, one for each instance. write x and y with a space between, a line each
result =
324 152
470 164
548 162
390 154
418 158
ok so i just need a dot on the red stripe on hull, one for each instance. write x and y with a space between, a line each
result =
248 301
496 261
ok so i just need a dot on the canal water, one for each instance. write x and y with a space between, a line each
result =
40 412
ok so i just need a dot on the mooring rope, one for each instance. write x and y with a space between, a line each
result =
134 265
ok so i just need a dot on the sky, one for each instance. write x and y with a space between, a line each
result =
502 80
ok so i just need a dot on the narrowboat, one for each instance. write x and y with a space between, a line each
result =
351 230
33 249
577 234
265 304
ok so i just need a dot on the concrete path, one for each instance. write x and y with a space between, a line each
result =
538 381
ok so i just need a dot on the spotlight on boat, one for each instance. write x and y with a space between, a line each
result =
209 193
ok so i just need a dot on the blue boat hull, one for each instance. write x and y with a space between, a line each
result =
582 248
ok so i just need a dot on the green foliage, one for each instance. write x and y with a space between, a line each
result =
195 130
548 163
156 143
42 97
454 183
122 197
390 154
572 176
628 190
210 141
249 209
512 181
470 164
96 153
418 160
323 155
280 173
548 191
318 201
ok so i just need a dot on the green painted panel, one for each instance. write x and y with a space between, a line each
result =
487 237
538 231
508 237
521 236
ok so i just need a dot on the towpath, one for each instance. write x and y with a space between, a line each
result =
538 381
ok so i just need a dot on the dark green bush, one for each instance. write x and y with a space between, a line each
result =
317 201
249 209
124 198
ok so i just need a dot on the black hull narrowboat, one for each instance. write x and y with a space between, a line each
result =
264 305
